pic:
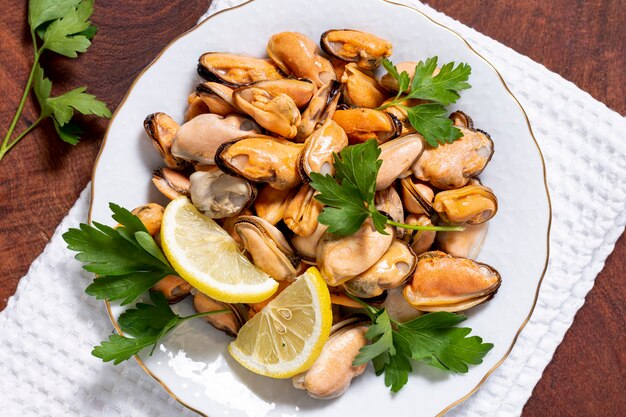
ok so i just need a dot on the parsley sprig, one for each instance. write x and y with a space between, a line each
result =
430 119
432 338
128 263
126 259
147 324
60 26
349 195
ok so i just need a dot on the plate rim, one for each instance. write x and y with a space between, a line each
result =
469 46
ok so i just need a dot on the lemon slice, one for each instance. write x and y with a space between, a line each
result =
287 336
208 258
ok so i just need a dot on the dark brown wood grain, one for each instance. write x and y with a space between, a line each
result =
40 180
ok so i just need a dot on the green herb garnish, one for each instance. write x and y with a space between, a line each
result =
349 196
147 323
126 259
61 26
430 119
431 338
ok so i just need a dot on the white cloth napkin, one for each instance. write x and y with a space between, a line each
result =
50 325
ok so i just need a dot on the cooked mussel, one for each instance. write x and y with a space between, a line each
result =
170 183
388 201
332 371
196 107
228 322
472 204
261 158
296 54
417 196
390 271
198 139
219 195
451 165
363 124
420 240
360 89
268 248
342 258
173 287
217 97
236 70
151 215
161 129
465 244
306 247
302 211
462 119
398 155
363 48
271 203
320 109
442 282
317 154
275 111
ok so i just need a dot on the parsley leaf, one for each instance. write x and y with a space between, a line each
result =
127 259
430 119
62 36
61 26
431 338
443 87
61 108
349 196
41 11
147 323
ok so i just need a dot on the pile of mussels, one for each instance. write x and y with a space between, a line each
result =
256 129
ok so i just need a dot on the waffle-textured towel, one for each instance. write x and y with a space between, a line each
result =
50 325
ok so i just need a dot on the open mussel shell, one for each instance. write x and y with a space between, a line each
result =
236 70
342 258
442 282
317 154
198 139
260 158
398 155
229 323
472 204
268 248
390 271
219 195
363 48
162 129
417 196
451 165
295 54
362 124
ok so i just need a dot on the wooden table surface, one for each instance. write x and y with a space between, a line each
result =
42 177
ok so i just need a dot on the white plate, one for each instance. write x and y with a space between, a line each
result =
192 362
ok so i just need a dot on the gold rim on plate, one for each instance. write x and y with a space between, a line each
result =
530 130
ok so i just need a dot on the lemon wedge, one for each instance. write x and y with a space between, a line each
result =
208 258
286 337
